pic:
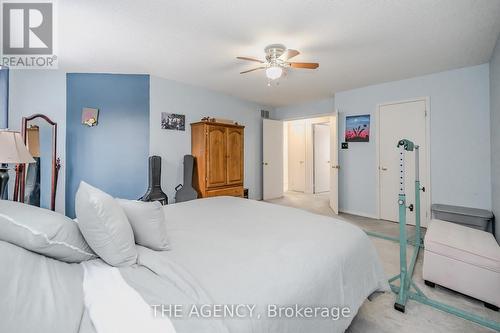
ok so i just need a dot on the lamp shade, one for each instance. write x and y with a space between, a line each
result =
13 149
274 72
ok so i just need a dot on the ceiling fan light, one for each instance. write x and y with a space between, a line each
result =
274 72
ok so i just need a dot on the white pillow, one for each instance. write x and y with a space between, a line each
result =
43 231
148 223
105 226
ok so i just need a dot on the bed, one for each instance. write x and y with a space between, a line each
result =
224 251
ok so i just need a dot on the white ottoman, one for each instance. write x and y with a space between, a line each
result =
463 259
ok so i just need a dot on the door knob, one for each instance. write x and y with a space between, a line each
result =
383 168
301 162
335 166
265 163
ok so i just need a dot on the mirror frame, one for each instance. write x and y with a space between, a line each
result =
56 162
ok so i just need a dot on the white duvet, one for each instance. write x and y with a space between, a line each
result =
113 306
231 251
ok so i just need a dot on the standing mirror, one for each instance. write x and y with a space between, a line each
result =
36 183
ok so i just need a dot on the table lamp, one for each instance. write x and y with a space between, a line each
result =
12 151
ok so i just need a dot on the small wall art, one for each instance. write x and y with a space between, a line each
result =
357 128
90 116
173 121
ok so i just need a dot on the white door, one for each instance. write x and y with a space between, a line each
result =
297 155
334 163
272 140
321 145
401 121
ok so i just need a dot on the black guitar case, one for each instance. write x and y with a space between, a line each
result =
154 192
186 192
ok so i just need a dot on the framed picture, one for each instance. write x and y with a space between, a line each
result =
90 116
357 128
173 121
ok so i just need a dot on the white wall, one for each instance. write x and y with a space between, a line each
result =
285 156
310 109
495 134
41 91
460 138
173 97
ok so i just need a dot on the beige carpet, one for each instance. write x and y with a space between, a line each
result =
378 314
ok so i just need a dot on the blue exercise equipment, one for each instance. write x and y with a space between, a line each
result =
407 289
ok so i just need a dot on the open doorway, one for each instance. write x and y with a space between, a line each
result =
303 154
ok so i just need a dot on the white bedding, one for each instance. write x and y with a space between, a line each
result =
113 306
224 251
234 251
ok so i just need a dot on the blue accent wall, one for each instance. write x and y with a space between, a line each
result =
4 98
113 155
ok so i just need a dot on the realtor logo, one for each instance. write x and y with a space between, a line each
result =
28 35
27 28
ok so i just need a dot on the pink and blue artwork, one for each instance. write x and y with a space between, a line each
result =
357 128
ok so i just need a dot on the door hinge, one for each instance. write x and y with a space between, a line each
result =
425 112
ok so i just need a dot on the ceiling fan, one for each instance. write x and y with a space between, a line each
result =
277 56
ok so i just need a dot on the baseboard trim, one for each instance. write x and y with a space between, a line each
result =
347 211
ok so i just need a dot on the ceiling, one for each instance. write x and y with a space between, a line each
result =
356 42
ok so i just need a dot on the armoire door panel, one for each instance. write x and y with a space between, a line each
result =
234 155
216 163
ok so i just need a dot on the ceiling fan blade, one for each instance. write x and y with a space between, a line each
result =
253 69
307 65
250 59
288 54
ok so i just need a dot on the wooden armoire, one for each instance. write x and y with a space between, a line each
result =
218 152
